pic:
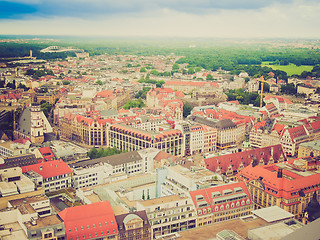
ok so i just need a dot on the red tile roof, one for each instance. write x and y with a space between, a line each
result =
206 200
235 159
195 84
49 169
286 187
91 221
47 153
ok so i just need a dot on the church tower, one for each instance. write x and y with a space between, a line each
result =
37 124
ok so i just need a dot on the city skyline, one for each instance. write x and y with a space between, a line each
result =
139 18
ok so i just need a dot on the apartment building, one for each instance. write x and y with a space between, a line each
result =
56 174
168 215
288 185
221 203
196 139
127 138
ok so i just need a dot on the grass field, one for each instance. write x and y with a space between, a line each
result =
289 69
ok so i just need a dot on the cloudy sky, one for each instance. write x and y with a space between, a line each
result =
163 18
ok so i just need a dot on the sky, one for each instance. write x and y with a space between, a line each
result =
162 18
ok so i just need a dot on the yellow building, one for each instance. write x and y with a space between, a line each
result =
309 148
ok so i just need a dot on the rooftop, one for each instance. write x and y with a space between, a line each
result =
161 200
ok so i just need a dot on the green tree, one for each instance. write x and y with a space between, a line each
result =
45 107
99 82
65 82
175 67
187 108
209 77
143 69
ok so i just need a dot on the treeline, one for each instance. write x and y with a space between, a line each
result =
15 50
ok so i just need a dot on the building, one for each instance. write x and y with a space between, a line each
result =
46 228
266 133
92 221
12 148
305 89
280 224
180 180
280 102
127 138
289 185
209 139
84 130
19 160
56 174
187 86
169 215
309 148
32 124
230 164
39 204
291 138
133 226
13 182
221 203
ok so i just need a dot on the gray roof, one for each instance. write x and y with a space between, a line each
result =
24 123
225 123
272 214
113 160
109 113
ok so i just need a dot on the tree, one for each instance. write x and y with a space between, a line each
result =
65 82
24 87
99 82
187 108
45 107
175 67
143 196
143 69
209 77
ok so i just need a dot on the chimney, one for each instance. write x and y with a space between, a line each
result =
279 175
40 168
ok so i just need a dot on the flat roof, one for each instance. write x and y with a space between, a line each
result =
275 231
209 232
45 222
161 200
272 214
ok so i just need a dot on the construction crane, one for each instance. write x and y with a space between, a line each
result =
261 79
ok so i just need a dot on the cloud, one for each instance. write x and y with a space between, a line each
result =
98 8
297 19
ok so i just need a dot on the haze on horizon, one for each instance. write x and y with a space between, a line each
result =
162 18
